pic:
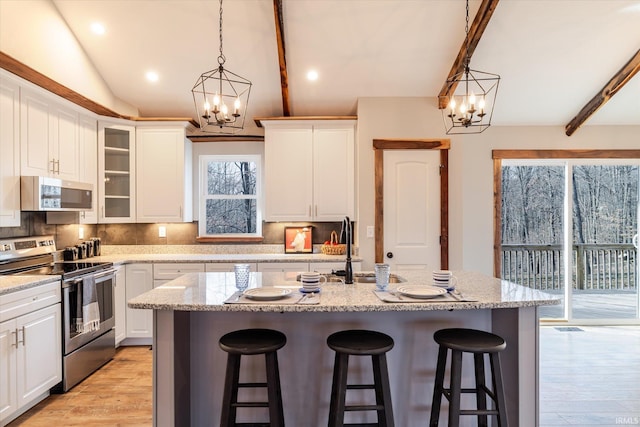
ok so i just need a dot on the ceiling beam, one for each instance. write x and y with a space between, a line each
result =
284 77
612 87
469 45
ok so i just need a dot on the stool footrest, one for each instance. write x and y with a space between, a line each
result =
252 385
478 412
250 405
363 425
360 386
363 407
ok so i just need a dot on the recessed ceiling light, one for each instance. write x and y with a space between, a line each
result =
98 28
312 75
152 76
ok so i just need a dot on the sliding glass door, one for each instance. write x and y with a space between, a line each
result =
568 228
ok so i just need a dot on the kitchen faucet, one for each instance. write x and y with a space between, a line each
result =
348 232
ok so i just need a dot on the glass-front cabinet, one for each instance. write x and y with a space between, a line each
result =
117 173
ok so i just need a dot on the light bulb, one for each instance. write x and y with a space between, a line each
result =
206 106
472 99
224 110
452 104
236 106
463 109
216 100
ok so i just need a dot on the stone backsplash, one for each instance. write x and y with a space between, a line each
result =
178 234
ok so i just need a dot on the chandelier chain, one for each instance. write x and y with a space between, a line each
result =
467 59
221 58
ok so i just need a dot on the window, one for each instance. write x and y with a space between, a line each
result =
230 192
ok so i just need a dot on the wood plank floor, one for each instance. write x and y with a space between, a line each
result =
117 395
588 377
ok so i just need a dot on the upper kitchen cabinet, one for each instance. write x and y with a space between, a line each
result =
49 138
309 169
9 154
163 168
116 173
88 142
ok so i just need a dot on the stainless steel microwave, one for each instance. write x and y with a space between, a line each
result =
41 193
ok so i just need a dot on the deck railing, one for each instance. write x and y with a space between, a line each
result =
595 267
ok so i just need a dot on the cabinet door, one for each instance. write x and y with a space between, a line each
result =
39 352
88 146
34 136
64 147
9 154
333 173
116 173
120 292
8 370
139 280
288 174
160 175
283 266
170 271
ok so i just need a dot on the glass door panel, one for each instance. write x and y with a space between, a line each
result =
605 261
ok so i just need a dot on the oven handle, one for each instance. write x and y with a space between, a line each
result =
99 275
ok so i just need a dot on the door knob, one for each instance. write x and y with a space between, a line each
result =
389 254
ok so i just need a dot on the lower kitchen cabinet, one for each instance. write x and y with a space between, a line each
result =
165 272
30 348
226 267
139 278
120 297
283 266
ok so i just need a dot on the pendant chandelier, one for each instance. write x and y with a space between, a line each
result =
469 108
221 97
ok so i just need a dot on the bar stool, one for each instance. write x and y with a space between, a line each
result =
252 342
360 343
479 343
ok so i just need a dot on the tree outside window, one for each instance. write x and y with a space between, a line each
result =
230 191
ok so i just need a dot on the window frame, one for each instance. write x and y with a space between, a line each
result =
203 160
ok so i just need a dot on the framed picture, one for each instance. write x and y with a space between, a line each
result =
298 240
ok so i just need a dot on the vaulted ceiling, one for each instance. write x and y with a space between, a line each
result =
553 56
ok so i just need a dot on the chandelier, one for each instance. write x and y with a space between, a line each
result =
469 108
221 97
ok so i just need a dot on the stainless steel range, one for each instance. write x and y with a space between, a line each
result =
86 345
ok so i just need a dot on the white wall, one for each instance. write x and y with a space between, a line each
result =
470 168
34 33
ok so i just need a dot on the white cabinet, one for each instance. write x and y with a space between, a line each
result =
227 266
283 266
88 172
139 278
165 272
120 311
116 176
313 160
49 138
9 153
163 175
30 348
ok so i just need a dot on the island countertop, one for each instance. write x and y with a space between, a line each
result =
208 292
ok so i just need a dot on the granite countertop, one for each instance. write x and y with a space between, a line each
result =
208 291
215 258
10 284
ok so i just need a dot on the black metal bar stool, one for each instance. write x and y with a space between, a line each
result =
252 342
360 343
479 343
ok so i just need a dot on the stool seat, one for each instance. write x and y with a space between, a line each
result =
253 341
360 342
469 340
479 344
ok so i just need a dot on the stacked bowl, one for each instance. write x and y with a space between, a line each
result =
311 281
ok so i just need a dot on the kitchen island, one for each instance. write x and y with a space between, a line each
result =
190 315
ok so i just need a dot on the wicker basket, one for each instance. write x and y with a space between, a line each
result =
334 248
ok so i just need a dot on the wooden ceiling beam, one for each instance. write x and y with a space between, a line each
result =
612 87
472 39
284 77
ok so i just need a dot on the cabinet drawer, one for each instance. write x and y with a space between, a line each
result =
22 302
169 271
227 266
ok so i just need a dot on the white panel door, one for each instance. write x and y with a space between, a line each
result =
34 137
66 149
139 280
8 369
412 209
9 154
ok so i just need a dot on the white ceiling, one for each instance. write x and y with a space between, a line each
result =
553 55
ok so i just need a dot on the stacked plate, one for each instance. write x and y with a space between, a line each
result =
311 281
421 291
266 294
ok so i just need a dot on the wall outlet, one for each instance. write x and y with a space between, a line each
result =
371 231
162 231
80 232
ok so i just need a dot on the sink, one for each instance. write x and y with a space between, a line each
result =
371 278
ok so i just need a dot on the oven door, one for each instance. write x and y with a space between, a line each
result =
72 291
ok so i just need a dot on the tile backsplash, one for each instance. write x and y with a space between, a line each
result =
35 224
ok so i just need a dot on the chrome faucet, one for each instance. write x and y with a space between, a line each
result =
348 233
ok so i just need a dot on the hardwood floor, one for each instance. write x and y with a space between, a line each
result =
118 395
589 376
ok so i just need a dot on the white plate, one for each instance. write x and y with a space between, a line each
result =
266 294
421 291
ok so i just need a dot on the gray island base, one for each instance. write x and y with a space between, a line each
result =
190 316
